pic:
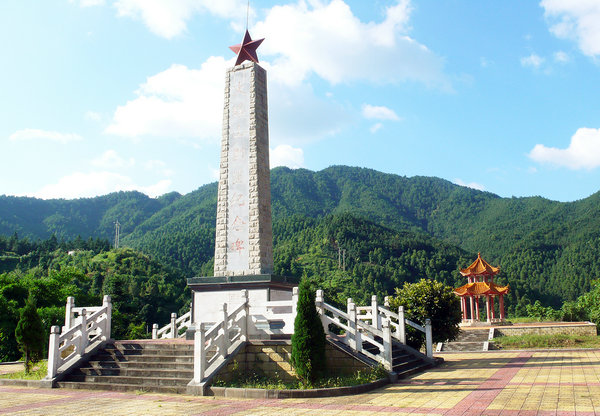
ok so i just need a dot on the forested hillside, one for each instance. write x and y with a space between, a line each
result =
546 249
143 291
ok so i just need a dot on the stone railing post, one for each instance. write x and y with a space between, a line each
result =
53 351
83 340
246 317
386 302
174 325
387 345
295 303
352 325
199 353
319 300
428 338
401 325
376 322
225 339
106 303
154 331
69 313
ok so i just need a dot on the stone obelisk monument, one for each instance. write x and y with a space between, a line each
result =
244 237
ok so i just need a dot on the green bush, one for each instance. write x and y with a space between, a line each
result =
429 299
30 333
308 341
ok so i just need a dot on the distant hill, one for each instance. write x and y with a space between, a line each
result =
546 249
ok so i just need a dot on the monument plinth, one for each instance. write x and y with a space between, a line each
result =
244 236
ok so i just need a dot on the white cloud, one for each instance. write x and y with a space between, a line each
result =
473 185
92 116
286 155
82 185
159 166
178 102
169 18
327 39
36 134
583 151
88 3
111 160
379 113
376 127
576 20
533 60
561 57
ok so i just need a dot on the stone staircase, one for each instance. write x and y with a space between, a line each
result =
164 366
468 340
404 363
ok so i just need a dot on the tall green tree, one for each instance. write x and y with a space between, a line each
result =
308 341
30 334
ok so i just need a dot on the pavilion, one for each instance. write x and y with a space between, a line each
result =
480 275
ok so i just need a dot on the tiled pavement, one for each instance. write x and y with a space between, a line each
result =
492 383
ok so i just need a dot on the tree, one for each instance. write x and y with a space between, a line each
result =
30 334
429 299
308 341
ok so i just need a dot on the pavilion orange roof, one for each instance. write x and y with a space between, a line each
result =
481 288
480 267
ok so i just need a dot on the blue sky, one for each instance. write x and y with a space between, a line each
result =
107 95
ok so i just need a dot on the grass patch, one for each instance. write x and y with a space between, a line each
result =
38 371
528 320
261 381
546 341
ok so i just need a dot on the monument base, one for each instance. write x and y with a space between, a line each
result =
210 293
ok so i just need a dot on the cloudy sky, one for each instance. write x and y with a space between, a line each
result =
106 95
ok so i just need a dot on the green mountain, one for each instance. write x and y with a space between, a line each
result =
546 249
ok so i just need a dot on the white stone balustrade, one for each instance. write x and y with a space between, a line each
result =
175 328
81 335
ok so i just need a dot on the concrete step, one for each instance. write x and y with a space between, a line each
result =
121 387
142 364
107 357
134 372
141 382
463 346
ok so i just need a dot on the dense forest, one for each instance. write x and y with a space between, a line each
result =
392 229
143 291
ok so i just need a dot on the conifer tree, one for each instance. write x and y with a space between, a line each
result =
308 341
30 333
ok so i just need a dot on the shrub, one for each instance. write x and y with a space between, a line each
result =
30 333
308 341
429 299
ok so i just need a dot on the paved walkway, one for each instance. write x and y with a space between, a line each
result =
492 383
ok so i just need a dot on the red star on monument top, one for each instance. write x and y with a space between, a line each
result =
246 51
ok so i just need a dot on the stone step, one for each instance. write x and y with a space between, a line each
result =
142 364
141 382
406 365
414 370
120 387
463 346
134 372
104 357
153 351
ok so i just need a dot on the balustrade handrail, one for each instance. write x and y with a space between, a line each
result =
89 331
172 329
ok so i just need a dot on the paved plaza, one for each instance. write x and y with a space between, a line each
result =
492 383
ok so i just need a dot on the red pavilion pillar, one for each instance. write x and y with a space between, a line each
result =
502 308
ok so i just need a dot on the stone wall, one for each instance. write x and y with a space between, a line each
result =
272 358
587 328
